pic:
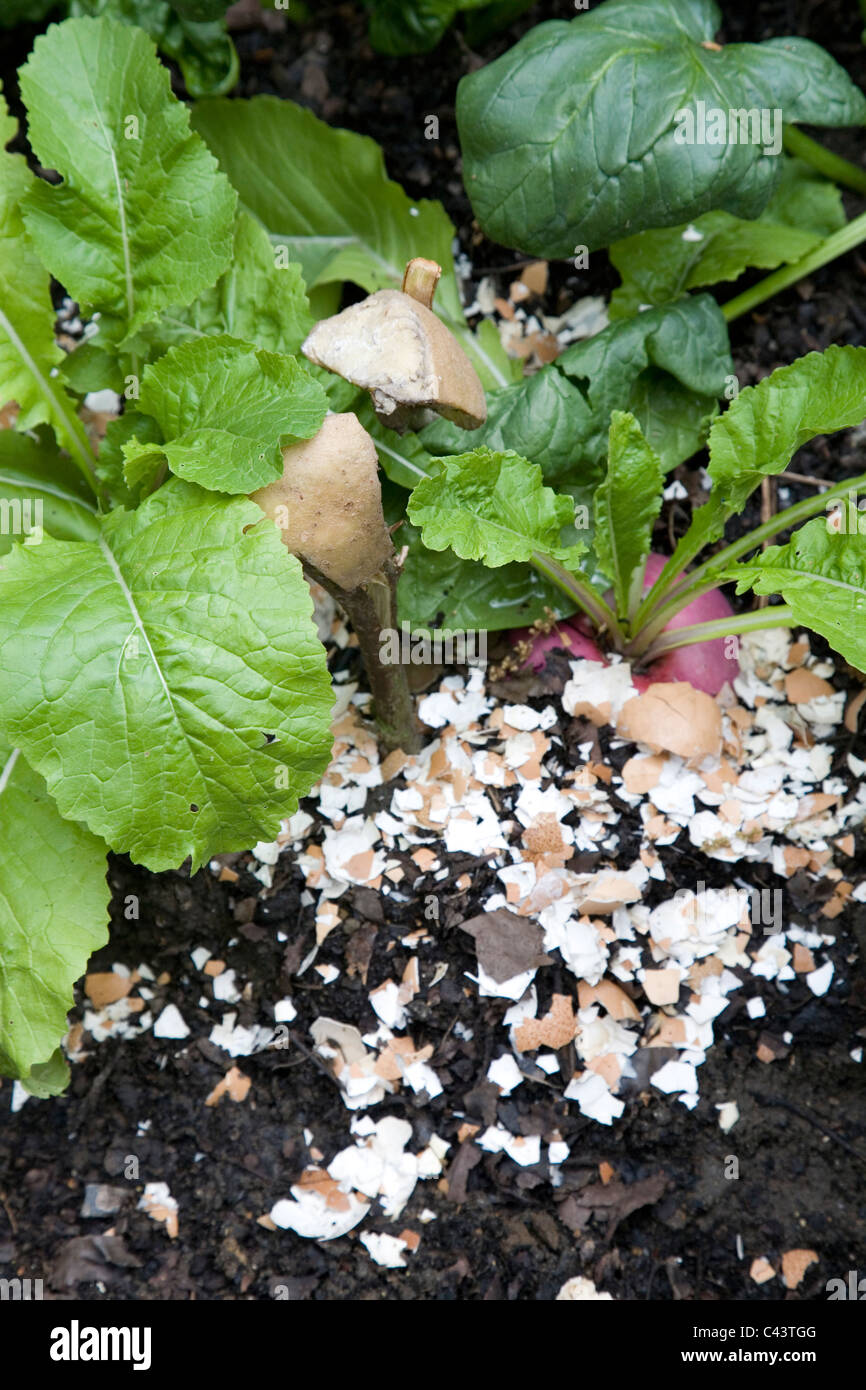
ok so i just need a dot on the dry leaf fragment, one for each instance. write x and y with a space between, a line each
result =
613 1199
506 945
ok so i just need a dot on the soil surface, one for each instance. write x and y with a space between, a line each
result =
498 1233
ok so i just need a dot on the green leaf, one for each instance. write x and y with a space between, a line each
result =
167 680
225 409
40 491
28 351
821 574
675 419
48 1078
143 218
205 55
762 430
201 10
331 204
658 266
255 300
111 464
397 27
687 341
194 35
544 418
766 425
626 507
332 207
492 506
404 459
667 368
573 136
439 589
53 915
25 11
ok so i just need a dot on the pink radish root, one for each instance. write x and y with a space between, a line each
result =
705 665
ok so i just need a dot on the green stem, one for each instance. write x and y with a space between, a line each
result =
831 165
581 593
780 616
706 576
837 244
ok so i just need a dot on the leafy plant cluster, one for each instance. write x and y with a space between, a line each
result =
162 688
192 32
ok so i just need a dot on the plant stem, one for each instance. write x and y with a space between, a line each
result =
371 608
834 245
780 616
420 280
831 165
583 594
706 576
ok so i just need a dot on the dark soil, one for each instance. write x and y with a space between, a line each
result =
800 1145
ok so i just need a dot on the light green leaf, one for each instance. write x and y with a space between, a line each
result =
111 465
438 589
40 491
334 209
256 300
167 680
821 574
658 266
492 506
28 351
626 507
766 425
224 409
573 136
332 195
762 430
48 1078
53 915
143 218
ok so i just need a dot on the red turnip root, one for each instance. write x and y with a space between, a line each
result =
705 665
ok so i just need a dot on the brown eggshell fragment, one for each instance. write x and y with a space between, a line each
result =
328 503
407 359
674 718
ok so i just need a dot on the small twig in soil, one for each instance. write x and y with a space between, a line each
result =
9 1213
805 478
811 1119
